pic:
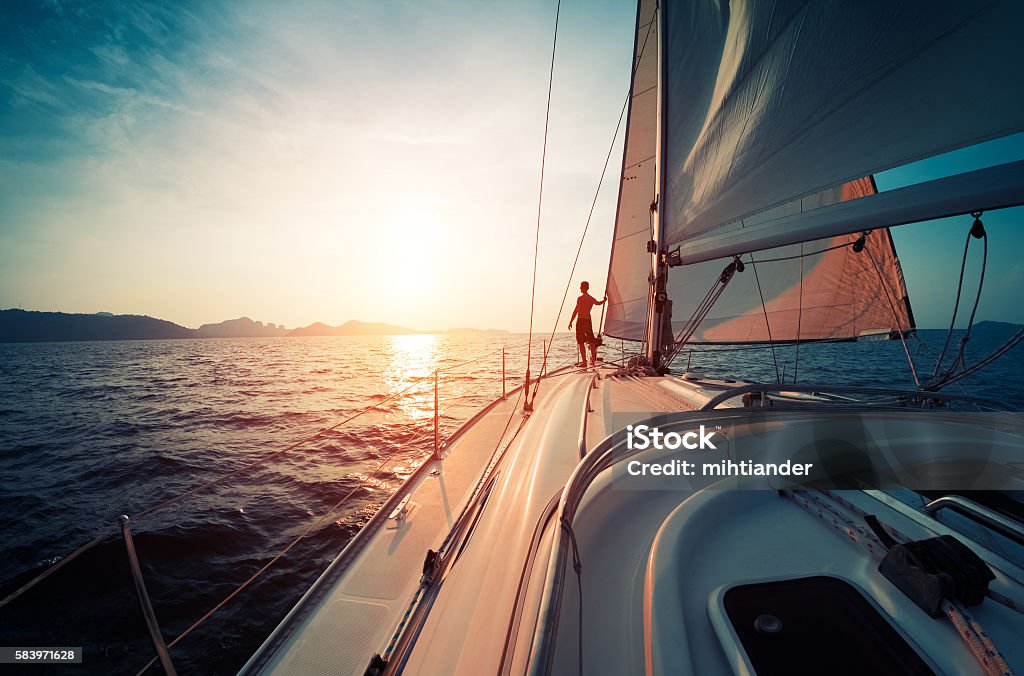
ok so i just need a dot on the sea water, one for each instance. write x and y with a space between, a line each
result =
90 431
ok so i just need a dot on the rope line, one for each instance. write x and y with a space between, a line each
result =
800 314
977 641
951 375
540 199
284 551
54 568
577 566
703 308
802 255
956 308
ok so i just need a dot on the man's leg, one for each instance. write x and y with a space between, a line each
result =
592 342
583 352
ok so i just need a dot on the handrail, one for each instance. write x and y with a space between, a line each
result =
546 632
903 395
531 557
972 510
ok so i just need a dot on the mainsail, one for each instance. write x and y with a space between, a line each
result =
766 102
772 115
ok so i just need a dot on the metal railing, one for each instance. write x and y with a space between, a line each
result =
890 396
972 510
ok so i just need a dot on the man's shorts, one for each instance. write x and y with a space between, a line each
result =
585 333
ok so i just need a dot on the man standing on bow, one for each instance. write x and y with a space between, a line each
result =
584 327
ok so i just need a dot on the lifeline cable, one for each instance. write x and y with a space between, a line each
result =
106 531
540 201
284 551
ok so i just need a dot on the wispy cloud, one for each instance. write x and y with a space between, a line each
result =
271 158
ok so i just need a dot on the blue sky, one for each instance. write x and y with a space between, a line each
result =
323 161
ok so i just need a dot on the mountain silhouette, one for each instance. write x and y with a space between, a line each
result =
17 326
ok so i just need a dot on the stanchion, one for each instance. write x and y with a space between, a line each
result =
503 394
437 451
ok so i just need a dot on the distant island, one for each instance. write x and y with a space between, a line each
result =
23 326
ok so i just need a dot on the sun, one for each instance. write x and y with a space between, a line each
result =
419 237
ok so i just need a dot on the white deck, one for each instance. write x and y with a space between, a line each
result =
654 561
353 610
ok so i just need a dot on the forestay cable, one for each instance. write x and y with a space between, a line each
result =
593 203
540 202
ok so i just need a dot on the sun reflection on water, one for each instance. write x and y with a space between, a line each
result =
411 358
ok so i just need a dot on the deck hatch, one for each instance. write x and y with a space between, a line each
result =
816 625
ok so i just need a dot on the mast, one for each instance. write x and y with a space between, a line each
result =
658 304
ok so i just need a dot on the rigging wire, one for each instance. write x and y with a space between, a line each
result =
540 200
802 255
938 379
800 314
956 308
952 374
1013 341
703 308
766 322
895 315
593 203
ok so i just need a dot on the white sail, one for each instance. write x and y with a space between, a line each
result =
766 102
630 262
832 295
819 290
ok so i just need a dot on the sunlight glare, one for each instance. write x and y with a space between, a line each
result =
412 357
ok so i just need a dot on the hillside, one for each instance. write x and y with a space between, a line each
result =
18 326
352 328
243 327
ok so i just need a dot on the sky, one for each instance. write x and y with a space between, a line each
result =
327 161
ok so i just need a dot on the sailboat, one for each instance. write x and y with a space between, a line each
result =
778 527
